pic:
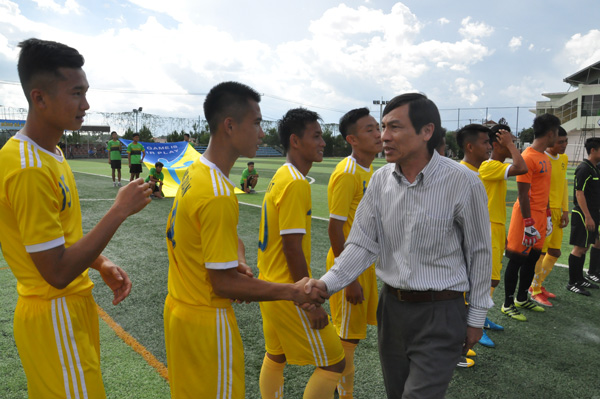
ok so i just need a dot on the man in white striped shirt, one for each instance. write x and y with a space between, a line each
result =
426 219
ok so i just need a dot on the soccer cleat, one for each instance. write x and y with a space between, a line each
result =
486 341
465 362
471 353
490 325
513 312
547 293
114 184
529 305
541 299
119 184
578 290
593 277
586 284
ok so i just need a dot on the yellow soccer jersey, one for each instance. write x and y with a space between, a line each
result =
346 187
558 182
40 210
494 174
470 167
201 234
286 209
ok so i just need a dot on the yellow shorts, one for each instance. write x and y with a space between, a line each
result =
351 321
59 346
498 244
205 355
554 240
287 331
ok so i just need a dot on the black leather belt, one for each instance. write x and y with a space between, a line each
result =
424 296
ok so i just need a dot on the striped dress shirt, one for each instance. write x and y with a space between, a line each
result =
432 234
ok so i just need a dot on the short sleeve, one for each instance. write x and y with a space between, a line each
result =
531 168
294 205
129 148
493 171
581 175
342 195
37 206
218 220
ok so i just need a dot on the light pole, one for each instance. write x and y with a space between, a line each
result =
381 103
136 112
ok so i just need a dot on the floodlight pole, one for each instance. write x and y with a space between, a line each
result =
381 103
136 112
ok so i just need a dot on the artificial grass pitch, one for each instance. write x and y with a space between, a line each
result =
552 355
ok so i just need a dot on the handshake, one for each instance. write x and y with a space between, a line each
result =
309 293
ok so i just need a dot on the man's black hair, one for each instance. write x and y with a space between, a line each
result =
542 124
470 133
228 99
421 111
592 143
495 129
294 122
158 164
43 58
250 163
348 121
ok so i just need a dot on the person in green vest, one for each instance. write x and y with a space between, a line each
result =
249 178
135 155
114 157
155 179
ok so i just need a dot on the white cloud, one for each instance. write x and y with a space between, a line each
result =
474 30
515 43
527 91
70 6
468 91
443 21
531 46
583 50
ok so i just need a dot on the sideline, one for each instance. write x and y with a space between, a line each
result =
160 368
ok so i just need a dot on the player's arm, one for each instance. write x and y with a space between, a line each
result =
294 255
505 139
581 201
564 221
59 266
143 154
523 195
114 277
354 292
129 156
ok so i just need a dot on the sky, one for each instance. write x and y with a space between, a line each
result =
475 59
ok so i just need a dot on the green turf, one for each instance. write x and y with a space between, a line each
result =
553 355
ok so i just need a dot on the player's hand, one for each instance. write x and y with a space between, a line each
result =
549 226
505 138
318 318
473 336
530 235
309 293
244 269
590 225
133 197
109 160
116 279
354 293
564 220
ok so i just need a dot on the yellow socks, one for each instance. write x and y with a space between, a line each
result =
543 267
345 385
321 384
271 379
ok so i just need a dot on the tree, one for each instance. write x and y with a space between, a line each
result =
526 135
174 137
451 144
128 134
146 134
271 137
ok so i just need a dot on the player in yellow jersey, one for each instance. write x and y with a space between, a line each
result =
207 265
356 306
559 207
56 320
291 334
473 139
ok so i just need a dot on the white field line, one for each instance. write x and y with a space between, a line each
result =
243 203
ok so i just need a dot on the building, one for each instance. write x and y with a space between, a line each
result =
578 109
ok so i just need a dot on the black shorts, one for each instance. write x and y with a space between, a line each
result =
156 188
135 168
115 164
580 236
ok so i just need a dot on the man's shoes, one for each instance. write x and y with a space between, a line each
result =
513 312
465 362
119 184
578 290
252 191
546 293
541 299
593 277
529 305
490 325
114 184
486 341
586 284
471 353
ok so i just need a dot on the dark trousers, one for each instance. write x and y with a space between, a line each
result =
420 344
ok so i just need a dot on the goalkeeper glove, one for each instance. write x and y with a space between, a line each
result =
549 226
530 235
